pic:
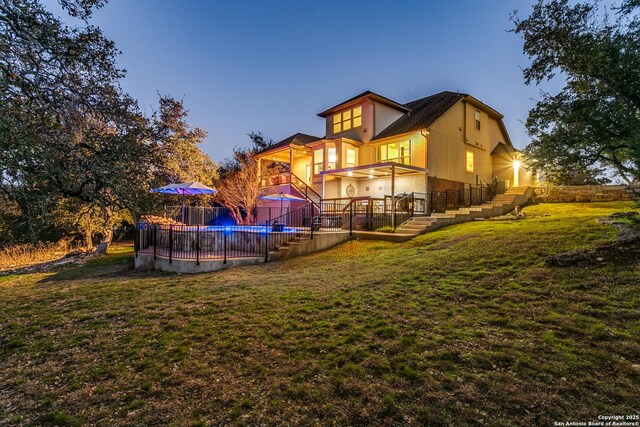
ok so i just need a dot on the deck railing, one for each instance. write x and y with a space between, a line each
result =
207 242
209 215
363 213
441 201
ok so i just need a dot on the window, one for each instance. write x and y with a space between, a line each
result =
347 119
337 123
398 152
318 160
331 158
351 158
477 119
469 161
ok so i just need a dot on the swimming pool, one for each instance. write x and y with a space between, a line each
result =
213 241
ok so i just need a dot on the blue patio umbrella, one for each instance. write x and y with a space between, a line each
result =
185 189
282 196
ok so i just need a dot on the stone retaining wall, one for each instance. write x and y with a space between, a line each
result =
583 193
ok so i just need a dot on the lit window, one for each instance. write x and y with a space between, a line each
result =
331 158
469 161
477 119
347 119
357 117
398 152
318 160
337 123
351 158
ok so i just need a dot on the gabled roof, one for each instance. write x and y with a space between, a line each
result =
502 148
299 139
423 113
367 94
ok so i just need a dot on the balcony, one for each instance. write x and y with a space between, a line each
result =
276 179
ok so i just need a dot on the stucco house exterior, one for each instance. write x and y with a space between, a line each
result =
375 147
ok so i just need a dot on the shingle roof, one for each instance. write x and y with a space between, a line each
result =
296 139
502 148
423 113
365 94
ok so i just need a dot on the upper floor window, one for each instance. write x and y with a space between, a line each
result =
347 119
398 152
351 158
477 115
469 161
318 160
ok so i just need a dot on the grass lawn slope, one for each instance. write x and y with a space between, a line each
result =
466 325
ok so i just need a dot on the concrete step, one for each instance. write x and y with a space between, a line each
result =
421 223
442 215
414 226
403 230
421 219
476 208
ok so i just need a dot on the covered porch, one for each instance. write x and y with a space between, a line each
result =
389 190
295 160
379 180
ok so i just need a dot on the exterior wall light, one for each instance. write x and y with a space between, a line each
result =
516 172
516 164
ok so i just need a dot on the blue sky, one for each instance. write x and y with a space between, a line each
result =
271 66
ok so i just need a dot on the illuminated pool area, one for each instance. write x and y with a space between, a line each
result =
190 249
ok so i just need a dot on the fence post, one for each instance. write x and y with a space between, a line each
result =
136 239
413 204
351 218
480 193
197 244
224 234
155 232
446 200
430 209
170 243
266 239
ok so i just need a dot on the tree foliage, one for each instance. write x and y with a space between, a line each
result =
69 135
591 127
239 184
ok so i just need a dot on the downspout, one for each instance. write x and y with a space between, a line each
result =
393 197
425 134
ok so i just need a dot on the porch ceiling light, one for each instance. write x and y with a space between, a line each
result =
370 170
349 173
516 164
370 176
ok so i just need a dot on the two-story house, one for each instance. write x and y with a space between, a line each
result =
375 147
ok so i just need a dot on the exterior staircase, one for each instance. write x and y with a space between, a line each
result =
500 205
304 244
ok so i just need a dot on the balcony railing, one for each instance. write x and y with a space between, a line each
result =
277 179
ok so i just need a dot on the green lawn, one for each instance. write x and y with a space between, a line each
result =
465 325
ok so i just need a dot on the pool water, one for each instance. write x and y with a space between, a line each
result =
250 228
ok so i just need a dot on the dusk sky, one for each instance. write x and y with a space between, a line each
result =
271 66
